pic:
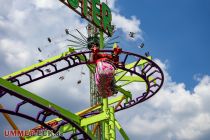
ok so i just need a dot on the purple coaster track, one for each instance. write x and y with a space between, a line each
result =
42 115
148 71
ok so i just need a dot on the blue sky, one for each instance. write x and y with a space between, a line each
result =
177 31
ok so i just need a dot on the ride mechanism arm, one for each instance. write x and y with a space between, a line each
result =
114 57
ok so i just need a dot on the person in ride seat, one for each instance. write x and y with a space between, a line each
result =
105 70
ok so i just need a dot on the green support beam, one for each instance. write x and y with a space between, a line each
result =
106 123
70 50
39 64
125 92
130 78
67 127
131 65
112 124
89 132
38 99
94 119
122 132
101 40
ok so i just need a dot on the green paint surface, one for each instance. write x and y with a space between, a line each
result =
38 99
107 18
96 12
73 3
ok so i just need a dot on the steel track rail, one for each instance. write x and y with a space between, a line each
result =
150 70
43 113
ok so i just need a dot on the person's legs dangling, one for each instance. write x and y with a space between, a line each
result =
104 76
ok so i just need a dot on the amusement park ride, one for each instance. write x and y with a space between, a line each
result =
111 70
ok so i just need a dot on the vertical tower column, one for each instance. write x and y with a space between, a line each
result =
101 40
112 124
94 97
106 122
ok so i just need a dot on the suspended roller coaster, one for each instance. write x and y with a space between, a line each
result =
132 68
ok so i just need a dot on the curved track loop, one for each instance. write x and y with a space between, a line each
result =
149 71
41 115
152 75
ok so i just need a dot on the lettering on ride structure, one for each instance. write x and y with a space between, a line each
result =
95 12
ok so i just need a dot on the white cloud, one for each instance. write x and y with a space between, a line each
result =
195 127
47 4
128 25
18 17
139 127
15 53
204 86
173 113
111 4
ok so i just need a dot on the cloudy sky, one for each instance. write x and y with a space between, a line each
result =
176 33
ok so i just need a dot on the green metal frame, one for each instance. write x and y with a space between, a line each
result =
39 100
107 116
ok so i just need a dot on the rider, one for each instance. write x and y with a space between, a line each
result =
105 70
